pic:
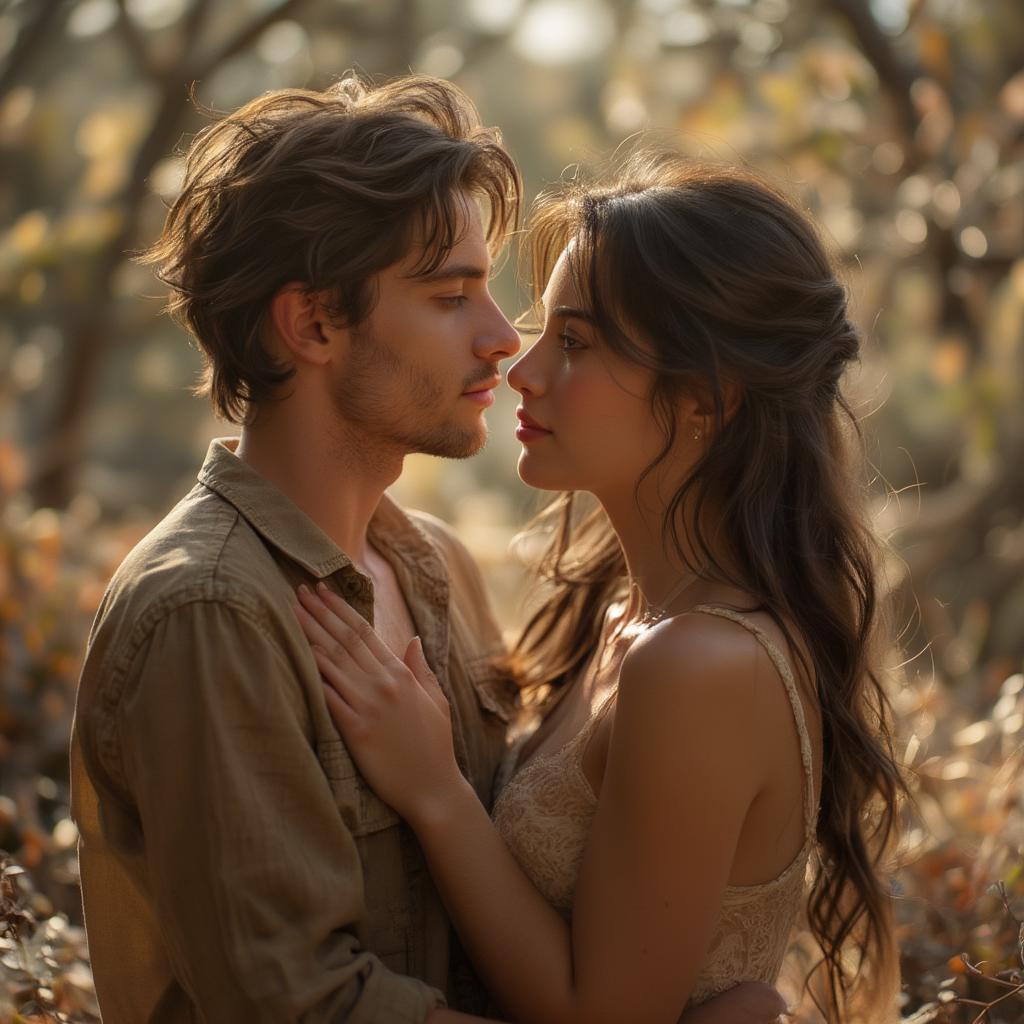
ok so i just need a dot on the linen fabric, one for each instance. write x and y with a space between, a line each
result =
235 866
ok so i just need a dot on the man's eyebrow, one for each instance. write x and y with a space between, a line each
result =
573 312
460 270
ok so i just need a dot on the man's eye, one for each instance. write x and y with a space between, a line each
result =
452 301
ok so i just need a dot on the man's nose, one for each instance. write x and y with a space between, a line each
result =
498 339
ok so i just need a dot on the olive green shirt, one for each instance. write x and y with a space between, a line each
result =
235 866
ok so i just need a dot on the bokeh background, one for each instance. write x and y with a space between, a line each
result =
899 124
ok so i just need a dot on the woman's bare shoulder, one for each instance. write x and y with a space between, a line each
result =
709 681
693 652
685 709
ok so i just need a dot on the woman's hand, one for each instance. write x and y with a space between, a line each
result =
391 713
750 1002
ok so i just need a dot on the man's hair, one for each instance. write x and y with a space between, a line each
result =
325 188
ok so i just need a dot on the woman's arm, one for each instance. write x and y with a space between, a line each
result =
685 763
681 774
751 1002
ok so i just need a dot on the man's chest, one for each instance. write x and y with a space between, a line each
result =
391 616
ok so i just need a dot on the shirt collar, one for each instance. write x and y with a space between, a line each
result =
421 572
273 515
284 525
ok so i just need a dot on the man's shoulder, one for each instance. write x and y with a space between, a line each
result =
202 550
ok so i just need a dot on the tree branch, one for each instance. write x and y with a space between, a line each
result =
91 334
135 42
245 36
34 32
895 74
193 25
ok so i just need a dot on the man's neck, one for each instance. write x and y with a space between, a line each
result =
328 480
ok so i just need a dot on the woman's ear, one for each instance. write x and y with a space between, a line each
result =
301 327
699 411
732 398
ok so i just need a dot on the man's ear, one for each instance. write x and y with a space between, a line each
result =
301 325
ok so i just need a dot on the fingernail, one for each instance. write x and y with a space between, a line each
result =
303 589
322 588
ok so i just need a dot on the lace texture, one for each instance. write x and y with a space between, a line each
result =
544 815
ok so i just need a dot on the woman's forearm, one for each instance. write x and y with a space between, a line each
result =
521 946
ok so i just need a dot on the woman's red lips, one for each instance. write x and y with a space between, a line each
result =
529 429
528 421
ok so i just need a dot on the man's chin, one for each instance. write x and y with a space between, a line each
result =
454 444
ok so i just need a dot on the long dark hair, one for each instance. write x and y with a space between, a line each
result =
726 281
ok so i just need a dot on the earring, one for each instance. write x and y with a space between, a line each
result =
696 433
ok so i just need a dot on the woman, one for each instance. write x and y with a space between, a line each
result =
709 639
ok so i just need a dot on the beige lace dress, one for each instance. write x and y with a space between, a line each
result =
544 815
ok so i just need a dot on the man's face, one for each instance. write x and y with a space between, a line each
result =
422 369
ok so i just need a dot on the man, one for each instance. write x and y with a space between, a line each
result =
330 253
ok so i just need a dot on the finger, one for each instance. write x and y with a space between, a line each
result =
337 616
319 637
331 631
348 681
416 660
343 715
347 614
336 663
765 1002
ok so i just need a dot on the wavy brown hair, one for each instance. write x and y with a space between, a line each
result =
726 281
326 188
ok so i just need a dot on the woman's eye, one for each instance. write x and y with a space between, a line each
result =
452 301
570 344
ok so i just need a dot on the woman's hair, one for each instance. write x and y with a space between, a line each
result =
325 188
726 284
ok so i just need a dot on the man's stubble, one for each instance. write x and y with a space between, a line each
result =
396 409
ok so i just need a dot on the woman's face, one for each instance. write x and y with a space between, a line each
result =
585 419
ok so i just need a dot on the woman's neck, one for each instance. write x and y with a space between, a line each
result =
666 576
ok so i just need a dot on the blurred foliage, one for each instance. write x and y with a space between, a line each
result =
44 964
898 123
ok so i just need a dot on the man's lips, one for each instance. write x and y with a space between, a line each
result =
482 394
488 385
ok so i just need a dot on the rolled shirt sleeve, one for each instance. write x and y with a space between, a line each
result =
255 878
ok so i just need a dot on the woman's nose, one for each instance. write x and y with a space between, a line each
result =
524 376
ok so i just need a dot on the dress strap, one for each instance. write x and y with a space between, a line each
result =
786 673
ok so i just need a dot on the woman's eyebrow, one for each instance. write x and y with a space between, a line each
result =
573 312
